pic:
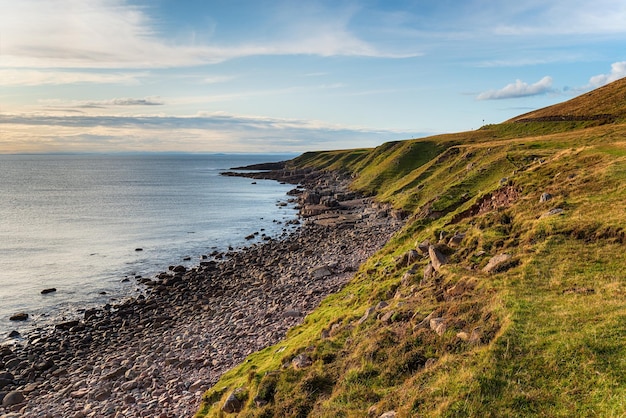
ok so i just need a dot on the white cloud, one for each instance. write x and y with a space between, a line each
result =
618 70
518 89
113 34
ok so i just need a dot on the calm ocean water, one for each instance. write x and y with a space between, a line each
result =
74 222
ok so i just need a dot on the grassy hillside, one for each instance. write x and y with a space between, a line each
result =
542 334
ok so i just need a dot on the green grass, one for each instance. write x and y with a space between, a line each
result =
550 327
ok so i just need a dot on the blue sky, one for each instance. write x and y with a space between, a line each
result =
289 76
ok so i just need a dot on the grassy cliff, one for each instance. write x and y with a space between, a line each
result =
541 334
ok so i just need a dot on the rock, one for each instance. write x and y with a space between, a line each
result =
436 257
14 334
430 362
495 262
301 361
407 259
388 414
13 398
368 313
545 197
381 305
456 239
101 394
292 313
422 247
22 316
49 290
556 211
115 373
429 271
438 325
321 272
233 403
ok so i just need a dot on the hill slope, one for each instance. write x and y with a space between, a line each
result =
542 333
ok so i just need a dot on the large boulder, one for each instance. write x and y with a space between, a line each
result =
437 258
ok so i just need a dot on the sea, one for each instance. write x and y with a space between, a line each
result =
90 225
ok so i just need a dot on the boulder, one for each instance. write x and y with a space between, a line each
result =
13 398
496 262
321 272
301 361
438 325
423 246
22 316
456 239
368 313
49 290
437 258
233 403
545 197
429 271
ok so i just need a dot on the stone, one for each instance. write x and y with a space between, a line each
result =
407 259
13 398
438 325
556 211
368 313
321 272
22 316
49 290
115 373
233 404
423 246
436 258
301 361
101 394
496 262
14 334
388 414
456 240
429 271
545 197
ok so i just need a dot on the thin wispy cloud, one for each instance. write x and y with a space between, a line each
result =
206 132
36 77
518 89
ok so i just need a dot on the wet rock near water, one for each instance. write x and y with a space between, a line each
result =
154 355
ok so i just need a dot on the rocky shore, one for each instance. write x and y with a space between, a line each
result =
154 355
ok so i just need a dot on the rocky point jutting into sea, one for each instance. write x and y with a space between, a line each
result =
154 356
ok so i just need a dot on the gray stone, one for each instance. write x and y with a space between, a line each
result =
321 272
438 325
388 414
496 262
545 197
422 247
436 258
368 313
233 405
429 271
301 361
13 398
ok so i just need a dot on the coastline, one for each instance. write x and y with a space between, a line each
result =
156 355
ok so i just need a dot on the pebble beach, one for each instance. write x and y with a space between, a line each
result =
155 355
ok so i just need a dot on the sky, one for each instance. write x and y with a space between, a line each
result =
289 76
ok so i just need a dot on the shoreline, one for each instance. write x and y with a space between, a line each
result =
156 355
